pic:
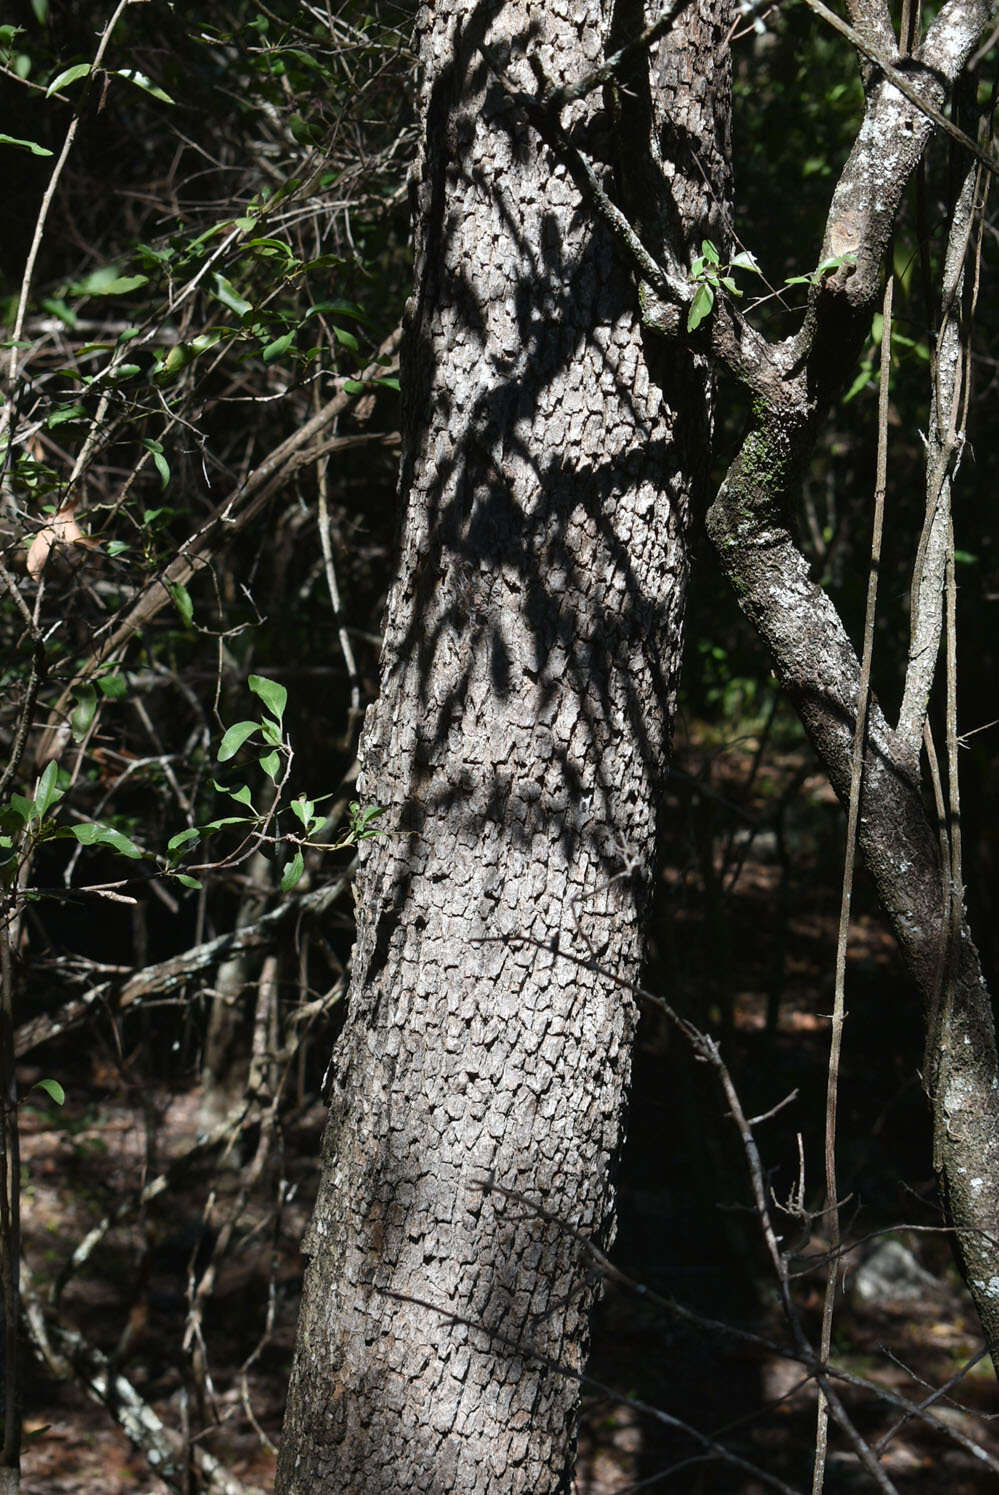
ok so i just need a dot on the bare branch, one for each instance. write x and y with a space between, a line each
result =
943 448
155 980
70 1357
846 896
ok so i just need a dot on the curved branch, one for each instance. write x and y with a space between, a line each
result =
816 663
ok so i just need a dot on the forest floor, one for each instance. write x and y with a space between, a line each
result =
746 939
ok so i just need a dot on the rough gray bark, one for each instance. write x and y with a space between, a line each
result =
519 742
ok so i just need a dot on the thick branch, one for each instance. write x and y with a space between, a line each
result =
943 52
817 665
897 124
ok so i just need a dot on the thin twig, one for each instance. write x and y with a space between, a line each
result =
332 585
846 897
10 1215
50 192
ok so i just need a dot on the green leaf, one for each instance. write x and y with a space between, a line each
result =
86 709
388 383
277 347
116 547
94 834
146 84
709 252
346 338
700 307
22 808
860 382
150 255
305 58
242 794
67 76
270 248
303 808
362 819
354 386
216 825
182 354
271 765
226 292
124 284
163 468
41 9
57 308
341 308
25 145
234 739
52 1089
746 261
293 872
182 839
302 132
62 413
182 601
48 790
273 695
834 261
186 881
106 281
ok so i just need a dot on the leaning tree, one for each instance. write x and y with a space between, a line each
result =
561 344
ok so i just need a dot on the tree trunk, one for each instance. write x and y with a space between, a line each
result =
518 744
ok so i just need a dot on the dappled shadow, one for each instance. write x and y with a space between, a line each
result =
519 744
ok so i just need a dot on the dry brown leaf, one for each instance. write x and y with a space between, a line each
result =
62 529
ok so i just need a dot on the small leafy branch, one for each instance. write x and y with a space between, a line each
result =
813 277
709 275
275 756
28 822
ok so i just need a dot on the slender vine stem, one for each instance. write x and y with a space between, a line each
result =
846 897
